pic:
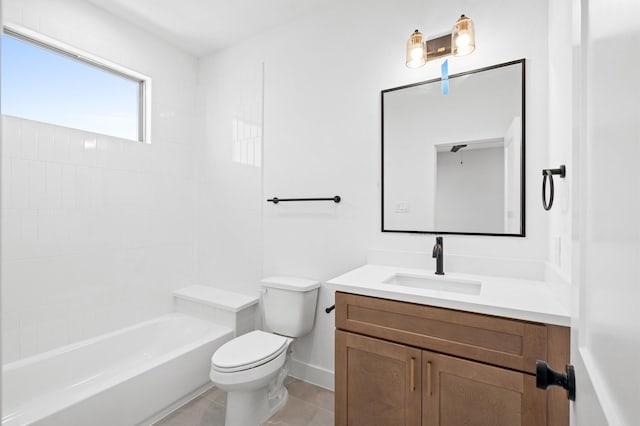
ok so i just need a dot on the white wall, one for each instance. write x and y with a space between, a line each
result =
229 174
561 134
322 81
470 190
96 230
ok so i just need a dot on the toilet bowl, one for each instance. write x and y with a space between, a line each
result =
251 368
247 368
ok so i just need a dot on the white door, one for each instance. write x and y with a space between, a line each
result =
606 322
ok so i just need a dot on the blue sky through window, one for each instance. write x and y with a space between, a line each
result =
40 84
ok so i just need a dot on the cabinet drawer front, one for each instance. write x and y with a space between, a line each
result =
508 343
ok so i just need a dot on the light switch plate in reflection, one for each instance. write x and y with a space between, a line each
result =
402 207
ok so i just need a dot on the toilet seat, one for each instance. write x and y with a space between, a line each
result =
248 351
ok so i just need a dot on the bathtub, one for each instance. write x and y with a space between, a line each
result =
127 377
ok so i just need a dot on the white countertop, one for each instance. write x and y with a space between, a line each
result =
527 300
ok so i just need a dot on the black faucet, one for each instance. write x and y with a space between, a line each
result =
438 255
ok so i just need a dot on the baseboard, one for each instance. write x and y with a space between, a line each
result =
313 374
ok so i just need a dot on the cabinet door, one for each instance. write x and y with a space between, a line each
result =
377 382
460 392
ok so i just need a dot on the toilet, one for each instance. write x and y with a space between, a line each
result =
251 368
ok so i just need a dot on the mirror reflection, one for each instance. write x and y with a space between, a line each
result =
454 163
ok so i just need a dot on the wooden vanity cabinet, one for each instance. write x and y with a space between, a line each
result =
401 363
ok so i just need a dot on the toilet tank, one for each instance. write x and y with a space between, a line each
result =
289 305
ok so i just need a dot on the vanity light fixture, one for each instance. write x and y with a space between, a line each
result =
416 50
461 42
463 37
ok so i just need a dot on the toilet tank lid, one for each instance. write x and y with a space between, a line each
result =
290 283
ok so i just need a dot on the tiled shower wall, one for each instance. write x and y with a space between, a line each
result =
96 230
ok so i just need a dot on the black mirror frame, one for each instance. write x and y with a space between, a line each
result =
522 62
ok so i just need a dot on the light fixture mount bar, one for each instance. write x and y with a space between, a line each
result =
438 47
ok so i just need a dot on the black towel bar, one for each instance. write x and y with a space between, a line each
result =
276 200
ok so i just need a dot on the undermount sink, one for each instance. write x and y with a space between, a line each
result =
439 283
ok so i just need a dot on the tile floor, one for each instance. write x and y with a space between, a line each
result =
308 405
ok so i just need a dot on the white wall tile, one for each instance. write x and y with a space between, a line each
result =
28 140
102 154
46 142
5 176
61 139
68 187
37 185
53 186
52 233
89 188
11 233
11 139
135 156
82 253
90 150
15 173
28 341
76 147
112 150
52 333
11 346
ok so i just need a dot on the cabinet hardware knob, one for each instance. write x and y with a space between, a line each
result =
546 376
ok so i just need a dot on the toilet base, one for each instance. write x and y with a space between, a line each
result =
278 401
253 408
249 408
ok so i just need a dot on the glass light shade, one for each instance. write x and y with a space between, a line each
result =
416 50
463 37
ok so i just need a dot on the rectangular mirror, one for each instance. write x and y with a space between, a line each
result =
454 163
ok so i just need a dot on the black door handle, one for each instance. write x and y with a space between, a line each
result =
547 376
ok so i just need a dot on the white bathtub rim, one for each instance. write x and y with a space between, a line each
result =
86 342
69 396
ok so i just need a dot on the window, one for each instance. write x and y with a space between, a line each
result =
247 142
44 82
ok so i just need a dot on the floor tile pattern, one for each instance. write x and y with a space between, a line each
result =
308 405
